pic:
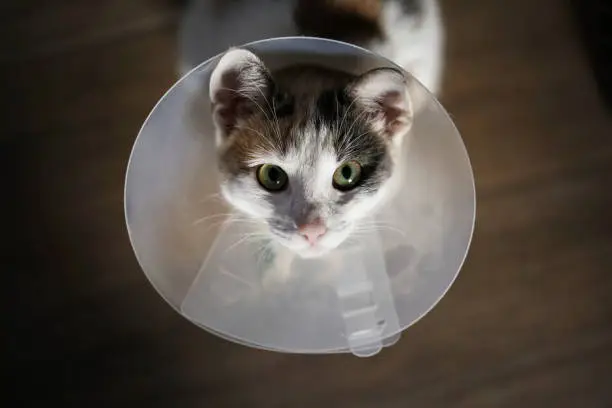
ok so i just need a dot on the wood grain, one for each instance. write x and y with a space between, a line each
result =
528 322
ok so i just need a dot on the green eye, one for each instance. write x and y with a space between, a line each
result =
347 175
271 177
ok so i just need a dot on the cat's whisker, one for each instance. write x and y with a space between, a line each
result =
247 222
346 112
245 239
220 224
277 130
210 217
232 218
354 122
354 146
214 196
353 140
252 130
273 108
337 102
375 227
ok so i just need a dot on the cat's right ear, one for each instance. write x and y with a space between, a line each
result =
383 93
239 85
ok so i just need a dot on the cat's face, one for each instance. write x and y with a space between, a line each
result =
309 152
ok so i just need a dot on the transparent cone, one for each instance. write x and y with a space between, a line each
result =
356 299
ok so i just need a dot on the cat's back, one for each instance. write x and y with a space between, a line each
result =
408 32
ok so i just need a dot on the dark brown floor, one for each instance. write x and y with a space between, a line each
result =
528 323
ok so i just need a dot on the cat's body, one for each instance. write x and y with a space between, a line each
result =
408 32
311 152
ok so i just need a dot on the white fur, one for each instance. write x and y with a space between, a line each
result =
414 43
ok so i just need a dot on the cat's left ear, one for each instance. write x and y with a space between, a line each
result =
383 93
239 85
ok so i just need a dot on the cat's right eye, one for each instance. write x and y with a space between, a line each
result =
272 177
347 175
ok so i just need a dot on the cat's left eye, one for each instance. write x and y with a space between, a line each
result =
272 177
347 175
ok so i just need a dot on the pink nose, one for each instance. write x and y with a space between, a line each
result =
313 231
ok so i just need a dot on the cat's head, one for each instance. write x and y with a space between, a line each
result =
309 151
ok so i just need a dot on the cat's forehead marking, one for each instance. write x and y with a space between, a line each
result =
307 143
296 155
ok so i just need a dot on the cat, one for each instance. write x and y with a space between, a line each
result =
309 151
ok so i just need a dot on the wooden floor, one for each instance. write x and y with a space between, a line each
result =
528 323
